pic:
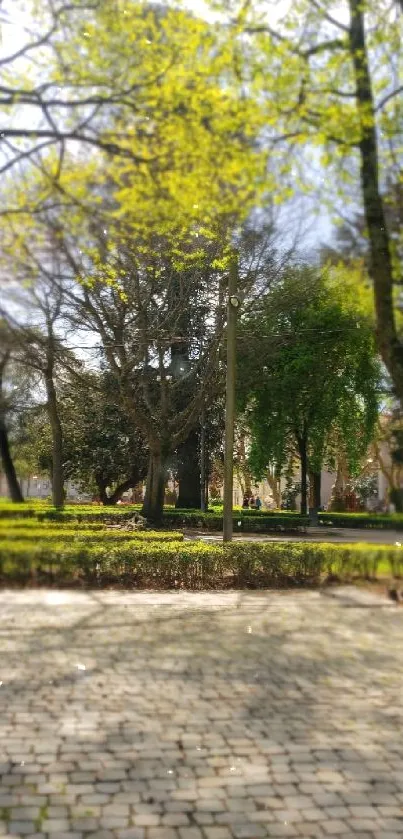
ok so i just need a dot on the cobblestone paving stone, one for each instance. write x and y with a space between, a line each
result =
199 716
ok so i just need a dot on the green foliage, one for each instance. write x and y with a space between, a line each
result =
171 111
375 521
103 448
88 520
244 521
193 565
80 534
316 373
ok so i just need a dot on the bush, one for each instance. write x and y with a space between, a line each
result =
87 534
362 520
247 521
242 522
190 565
17 511
252 521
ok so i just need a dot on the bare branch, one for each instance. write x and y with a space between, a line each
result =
328 16
111 148
44 39
324 46
388 97
21 155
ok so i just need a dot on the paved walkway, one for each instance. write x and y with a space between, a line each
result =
312 534
199 716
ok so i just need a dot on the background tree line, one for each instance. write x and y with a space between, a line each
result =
138 149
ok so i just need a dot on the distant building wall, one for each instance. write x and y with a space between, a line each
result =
40 487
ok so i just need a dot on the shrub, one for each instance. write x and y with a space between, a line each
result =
242 523
19 531
362 520
191 565
252 521
247 521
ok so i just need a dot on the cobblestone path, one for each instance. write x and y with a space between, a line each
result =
199 716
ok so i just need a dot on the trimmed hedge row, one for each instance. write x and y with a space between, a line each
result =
193 565
242 523
18 531
362 520
257 522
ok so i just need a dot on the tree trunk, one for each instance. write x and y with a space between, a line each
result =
203 464
315 486
189 473
102 483
396 498
117 493
275 486
243 468
8 466
103 497
153 506
380 267
303 453
57 444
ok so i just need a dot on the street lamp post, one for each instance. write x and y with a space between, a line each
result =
232 311
203 461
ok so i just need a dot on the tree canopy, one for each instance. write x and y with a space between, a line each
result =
307 367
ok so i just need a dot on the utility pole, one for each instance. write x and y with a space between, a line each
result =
232 311
203 461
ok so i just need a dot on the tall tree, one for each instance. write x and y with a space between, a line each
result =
338 66
32 327
18 394
163 371
5 451
320 371
152 91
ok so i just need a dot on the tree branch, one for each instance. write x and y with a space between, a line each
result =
388 97
58 136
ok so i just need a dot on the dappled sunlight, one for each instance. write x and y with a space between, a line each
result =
166 710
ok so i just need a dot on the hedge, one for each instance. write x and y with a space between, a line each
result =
242 523
194 565
252 521
362 520
54 532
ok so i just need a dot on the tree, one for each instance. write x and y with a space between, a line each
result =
6 457
258 264
387 452
160 329
336 64
188 471
38 348
18 387
319 372
31 441
70 99
103 450
146 96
